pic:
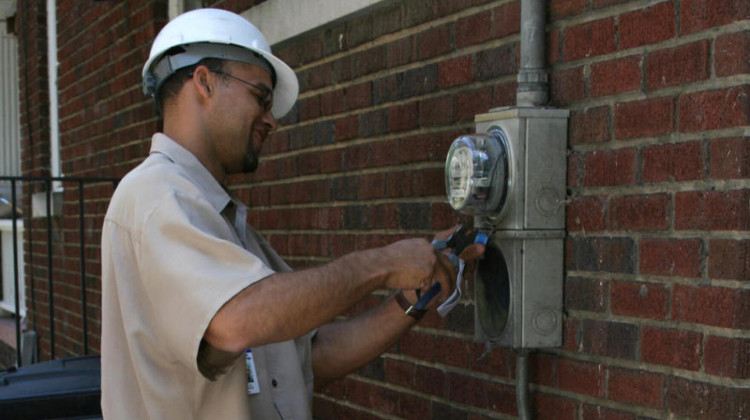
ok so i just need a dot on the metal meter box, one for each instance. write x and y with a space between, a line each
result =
537 139
519 283
519 292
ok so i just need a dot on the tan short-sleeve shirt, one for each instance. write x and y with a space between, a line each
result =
175 249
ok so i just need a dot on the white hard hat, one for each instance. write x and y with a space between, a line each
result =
216 33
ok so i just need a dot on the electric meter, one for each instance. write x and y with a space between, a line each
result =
477 173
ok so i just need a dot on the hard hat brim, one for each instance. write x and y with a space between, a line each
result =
287 86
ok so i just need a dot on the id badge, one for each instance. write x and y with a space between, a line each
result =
253 387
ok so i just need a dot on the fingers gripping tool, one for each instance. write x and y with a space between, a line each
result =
457 242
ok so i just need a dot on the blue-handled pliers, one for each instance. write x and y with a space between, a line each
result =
458 241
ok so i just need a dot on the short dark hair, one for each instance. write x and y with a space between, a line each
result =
171 87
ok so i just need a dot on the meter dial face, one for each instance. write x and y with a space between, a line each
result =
477 173
461 169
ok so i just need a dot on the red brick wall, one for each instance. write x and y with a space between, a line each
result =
105 126
656 266
658 220
656 290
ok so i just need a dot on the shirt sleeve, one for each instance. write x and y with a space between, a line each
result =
190 267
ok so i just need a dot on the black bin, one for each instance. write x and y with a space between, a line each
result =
59 389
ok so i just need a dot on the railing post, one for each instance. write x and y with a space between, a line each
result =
15 271
82 232
51 297
48 182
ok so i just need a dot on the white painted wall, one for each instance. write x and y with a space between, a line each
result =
279 20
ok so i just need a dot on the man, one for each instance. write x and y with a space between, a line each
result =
201 318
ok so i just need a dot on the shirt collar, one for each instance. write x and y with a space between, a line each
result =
214 192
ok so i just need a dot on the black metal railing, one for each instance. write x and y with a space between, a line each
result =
48 181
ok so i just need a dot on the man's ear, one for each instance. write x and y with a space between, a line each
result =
203 80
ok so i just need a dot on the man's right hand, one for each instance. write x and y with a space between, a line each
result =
414 264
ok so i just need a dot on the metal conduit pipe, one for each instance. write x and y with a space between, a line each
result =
522 384
532 91
532 88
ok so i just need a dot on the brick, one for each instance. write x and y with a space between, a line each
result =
403 117
597 412
647 26
472 102
641 388
506 19
436 111
542 369
609 168
414 216
591 125
567 86
647 118
419 81
640 212
675 66
730 158
416 148
373 370
332 102
412 407
466 390
418 11
501 398
703 401
309 108
554 47
433 42
385 153
728 259
473 29
674 162
495 62
712 210
400 52
372 123
358 96
642 300
494 360
696 15
399 372
581 378
454 72
728 357
383 216
565 8
544 406
448 7
380 398
451 351
586 214
388 89
671 257
615 76
613 255
571 341
357 157
589 39
675 348
371 186
717 306
430 381
585 294
504 94
610 339
713 110
732 54
442 411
